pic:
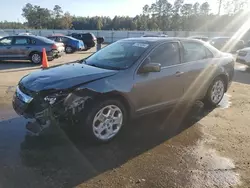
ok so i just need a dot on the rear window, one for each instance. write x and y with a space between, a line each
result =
43 39
87 36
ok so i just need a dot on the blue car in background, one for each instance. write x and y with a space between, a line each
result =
71 44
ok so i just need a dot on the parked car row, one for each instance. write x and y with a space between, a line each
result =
26 46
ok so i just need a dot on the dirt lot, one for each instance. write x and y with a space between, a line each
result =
204 149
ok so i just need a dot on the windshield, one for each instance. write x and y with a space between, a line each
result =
119 55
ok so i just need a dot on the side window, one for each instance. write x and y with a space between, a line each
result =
166 54
32 41
6 41
21 41
64 39
193 51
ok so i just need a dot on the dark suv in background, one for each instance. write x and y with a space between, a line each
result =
89 39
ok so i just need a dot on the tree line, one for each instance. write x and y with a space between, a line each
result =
161 15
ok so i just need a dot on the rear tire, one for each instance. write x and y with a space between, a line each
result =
104 121
36 58
215 92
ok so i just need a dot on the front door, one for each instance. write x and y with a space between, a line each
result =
156 90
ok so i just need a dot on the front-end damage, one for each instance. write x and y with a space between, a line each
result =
67 106
58 106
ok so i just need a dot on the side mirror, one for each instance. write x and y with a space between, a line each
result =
150 67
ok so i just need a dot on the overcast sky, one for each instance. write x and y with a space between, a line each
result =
11 10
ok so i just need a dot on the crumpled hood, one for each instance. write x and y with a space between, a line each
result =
64 77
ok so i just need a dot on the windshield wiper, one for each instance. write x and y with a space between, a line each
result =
105 67
83 61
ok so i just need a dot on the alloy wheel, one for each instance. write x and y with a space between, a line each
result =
107 122
217 91
36 58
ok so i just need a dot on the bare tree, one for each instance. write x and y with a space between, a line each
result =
219 9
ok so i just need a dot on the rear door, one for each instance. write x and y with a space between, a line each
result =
197 66
156 90
5 47
21 47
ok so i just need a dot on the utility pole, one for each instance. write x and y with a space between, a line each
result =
220 2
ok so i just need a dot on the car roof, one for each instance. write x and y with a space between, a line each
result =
22 36
198 36
57 35
221 38
158 39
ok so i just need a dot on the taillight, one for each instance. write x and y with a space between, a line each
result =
54 47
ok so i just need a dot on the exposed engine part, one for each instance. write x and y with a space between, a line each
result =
75 103
43 114
51 100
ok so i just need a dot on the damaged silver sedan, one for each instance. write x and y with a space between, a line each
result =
128 78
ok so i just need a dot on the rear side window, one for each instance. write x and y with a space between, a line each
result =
64 39
21 41
166 54
194 51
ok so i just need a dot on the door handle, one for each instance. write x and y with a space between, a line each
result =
8 47
28 47
178 73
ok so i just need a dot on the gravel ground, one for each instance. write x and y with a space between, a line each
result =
204 149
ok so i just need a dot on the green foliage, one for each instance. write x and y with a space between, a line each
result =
160 15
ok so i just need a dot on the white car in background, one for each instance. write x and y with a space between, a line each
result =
243 56
27 34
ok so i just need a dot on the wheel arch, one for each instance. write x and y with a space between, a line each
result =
225 80
118 96
32 52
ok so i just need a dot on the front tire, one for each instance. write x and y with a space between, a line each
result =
104 121
215 92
